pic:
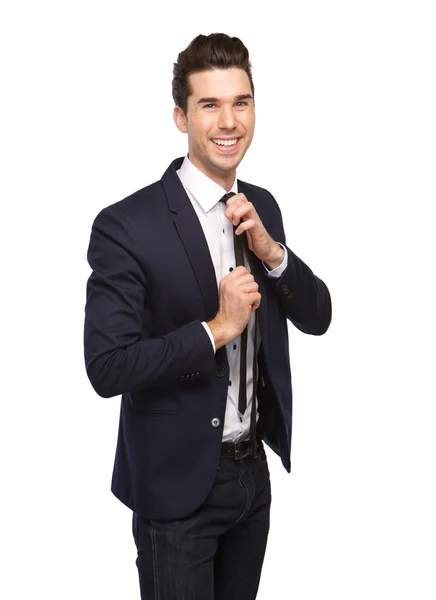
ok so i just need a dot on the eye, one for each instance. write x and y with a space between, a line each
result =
242 102
207 105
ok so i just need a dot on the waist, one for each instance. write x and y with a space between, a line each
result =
242 449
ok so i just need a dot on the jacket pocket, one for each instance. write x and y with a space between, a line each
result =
158 405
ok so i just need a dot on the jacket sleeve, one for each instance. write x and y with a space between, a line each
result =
120 356
304 296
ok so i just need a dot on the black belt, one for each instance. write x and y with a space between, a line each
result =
241 449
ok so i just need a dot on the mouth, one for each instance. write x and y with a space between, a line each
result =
226 145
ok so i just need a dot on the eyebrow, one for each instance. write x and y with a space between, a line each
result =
213 100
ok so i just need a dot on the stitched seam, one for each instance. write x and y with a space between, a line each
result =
262 460
135 528
246 504
154 554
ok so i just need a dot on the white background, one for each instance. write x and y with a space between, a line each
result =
345 141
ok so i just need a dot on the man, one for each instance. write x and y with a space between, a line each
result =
196 345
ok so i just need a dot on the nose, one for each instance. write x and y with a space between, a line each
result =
227 118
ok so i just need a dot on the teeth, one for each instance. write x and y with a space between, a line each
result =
225 142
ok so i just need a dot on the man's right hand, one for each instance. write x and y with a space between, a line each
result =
238 298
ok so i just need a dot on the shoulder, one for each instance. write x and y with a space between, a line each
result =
135 205
131 219
255 189
262 199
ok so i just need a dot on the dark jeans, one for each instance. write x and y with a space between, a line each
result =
217 552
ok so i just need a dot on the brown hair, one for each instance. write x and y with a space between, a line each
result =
214 51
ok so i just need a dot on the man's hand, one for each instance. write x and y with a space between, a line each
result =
238 298
241 211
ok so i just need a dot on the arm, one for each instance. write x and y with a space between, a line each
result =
118 356
305 298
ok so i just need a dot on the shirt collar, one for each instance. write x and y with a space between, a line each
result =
206 191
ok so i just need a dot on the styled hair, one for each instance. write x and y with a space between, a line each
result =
206 52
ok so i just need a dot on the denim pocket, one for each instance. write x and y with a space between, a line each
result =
261 457
135 519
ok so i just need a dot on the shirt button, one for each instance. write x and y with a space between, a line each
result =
234 346
215 422
230 383
231 269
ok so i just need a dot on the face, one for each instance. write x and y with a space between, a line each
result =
219 122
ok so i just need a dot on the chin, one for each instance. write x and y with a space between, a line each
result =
228 161
226 165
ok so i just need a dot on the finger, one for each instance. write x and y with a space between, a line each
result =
250 288
255 300
244 210
230 214
245 286
234 206
239 198
244 278
245 225
239 272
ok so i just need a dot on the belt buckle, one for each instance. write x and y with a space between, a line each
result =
241 453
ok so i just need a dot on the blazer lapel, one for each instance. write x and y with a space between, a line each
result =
194 241
191 234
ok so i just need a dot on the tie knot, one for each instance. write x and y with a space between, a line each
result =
227 196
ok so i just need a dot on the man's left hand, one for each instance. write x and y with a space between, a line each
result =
241 211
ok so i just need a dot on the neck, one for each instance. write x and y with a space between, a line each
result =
224 179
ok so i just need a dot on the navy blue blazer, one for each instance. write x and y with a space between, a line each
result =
152 284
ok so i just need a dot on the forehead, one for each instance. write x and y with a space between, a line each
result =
219 83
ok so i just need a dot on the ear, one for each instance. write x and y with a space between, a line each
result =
180 120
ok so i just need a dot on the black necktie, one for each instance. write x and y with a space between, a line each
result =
240 241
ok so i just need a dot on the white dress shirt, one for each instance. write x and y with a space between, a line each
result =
205 196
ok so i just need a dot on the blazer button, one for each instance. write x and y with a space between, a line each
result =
220 372
284 289
215 422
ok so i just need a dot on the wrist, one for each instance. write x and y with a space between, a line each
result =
222 333
276 257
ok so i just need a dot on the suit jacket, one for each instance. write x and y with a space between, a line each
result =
152 284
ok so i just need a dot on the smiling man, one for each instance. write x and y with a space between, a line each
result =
186 317
220 129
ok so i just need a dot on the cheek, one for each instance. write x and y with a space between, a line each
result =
247 121
207 126
250 124
201 132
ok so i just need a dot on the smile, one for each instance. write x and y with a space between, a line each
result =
226 142
226 145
